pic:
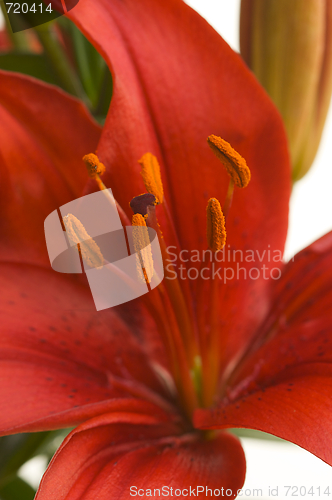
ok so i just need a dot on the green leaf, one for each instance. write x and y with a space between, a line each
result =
105 96
16 450
93 71
35 65
17 489
60 60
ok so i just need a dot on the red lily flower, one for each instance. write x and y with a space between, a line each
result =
267 342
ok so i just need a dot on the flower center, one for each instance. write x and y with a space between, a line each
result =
188 330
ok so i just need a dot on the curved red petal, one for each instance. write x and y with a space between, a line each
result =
297 407
298 329
104 460
44 135
284 385
61 362
176 82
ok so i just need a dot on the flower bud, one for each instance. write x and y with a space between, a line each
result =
288 46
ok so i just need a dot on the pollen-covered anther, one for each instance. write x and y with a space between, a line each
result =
151 176
216 232
235 165
87 247
142 248
94 166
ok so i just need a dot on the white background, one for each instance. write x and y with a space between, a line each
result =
274 464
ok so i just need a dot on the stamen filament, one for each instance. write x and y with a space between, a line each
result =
208 335
213 347
183 283
229 198
124 218
203 332
182 375
208 320
176 295
95 169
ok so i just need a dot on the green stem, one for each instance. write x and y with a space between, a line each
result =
82 61
60 62
104 93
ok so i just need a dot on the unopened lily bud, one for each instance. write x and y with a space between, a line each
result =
288 46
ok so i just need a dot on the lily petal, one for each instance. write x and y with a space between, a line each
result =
176 82
298 328
283 386
296 408
61 362
107 455
44 134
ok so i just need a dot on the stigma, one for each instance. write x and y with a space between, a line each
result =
140 203
235 165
